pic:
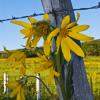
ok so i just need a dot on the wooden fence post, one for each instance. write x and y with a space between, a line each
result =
81 87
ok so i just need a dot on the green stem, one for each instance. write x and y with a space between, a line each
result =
53 26
42 83
60 80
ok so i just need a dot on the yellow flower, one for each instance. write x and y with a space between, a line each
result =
64 34
42 63
34 30
19 58
17 90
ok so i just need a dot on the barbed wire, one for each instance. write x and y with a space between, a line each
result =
51 12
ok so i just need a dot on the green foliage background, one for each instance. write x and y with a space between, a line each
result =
92 48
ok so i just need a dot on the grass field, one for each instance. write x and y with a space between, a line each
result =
92 65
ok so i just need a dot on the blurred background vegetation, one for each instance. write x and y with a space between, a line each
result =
92 65
92 48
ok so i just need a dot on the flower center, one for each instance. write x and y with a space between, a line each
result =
42 28
63 32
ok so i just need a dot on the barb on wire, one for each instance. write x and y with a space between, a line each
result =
58 11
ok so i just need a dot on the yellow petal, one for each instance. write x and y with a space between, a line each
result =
79 28
12 84
22 70
65 21
15 91
32 20
42 66
53 34
26 32
41 63
57 74
22 94
17 56
70 25
80 36
77 16
58 42
28 42
47 48
19 97
74 47
20 56
35 41
46 17
20 23
53 73
65 50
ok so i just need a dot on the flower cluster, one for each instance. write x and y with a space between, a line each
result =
64 35
34 30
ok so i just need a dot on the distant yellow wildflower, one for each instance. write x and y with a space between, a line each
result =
42 63
17 90
19 58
